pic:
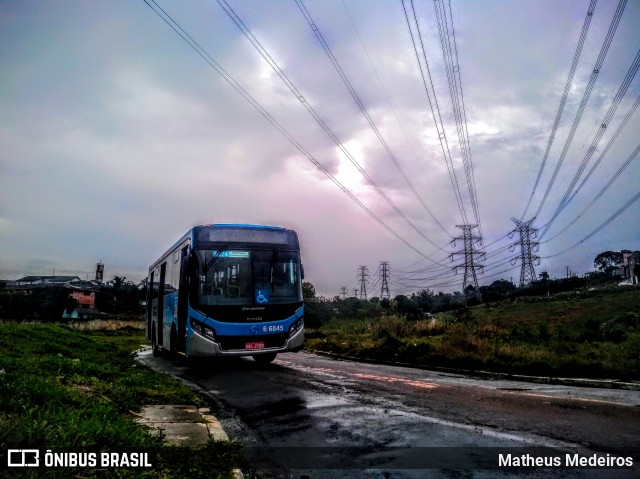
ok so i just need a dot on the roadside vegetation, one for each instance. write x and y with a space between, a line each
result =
116 299
588 332
71 390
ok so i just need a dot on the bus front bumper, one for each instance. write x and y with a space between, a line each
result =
200 346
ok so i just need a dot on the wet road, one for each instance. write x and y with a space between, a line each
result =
385 421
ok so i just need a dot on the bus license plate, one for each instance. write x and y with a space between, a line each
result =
256 345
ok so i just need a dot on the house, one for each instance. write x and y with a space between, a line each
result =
630 265
86 298
84 292
39 281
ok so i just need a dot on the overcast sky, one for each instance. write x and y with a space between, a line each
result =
116 137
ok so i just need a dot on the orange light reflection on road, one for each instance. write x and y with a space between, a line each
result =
386 379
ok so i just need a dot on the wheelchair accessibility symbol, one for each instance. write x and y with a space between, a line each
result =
262 296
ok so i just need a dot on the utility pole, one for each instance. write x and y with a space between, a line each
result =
470 263
384 287
343 292
363 277
527 248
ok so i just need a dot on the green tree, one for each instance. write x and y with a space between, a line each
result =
120 296
385 304
544 276
308 290
50 302
117 282
607 261
425 300
407 307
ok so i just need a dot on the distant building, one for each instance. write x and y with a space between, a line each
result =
629 265
85 299
99 272
84 292
46 280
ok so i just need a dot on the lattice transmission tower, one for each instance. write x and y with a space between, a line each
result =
384 287
471 258
343 292
363 278
527 249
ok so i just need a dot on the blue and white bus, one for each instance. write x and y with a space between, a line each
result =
227 290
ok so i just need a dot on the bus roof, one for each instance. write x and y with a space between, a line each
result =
234 233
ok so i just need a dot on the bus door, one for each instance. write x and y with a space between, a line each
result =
161 281
150 287
183 299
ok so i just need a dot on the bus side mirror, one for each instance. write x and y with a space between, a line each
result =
301 270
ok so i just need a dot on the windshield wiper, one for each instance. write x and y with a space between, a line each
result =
214 259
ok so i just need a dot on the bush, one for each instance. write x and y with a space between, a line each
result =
390 326
429 328
618 329
543 331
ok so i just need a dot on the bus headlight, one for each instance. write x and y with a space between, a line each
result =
203 329
296 325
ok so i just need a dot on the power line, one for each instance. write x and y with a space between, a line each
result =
218 68
565 94
354 95
437 119
592 80
375 71
603 154
601 227
606 149
594 144
452 69
276 68
615 176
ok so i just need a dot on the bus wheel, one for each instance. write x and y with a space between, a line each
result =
155 350
264 358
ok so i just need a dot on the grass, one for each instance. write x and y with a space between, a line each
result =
580 334
69 390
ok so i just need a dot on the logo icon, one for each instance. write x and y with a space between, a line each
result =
262 296
23 458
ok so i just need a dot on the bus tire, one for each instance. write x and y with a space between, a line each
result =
155 350
264 358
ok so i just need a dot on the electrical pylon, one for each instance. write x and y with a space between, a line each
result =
343 292
527 248
384 287
355 293
471 257
363 277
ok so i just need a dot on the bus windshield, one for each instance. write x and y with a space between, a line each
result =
248 277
